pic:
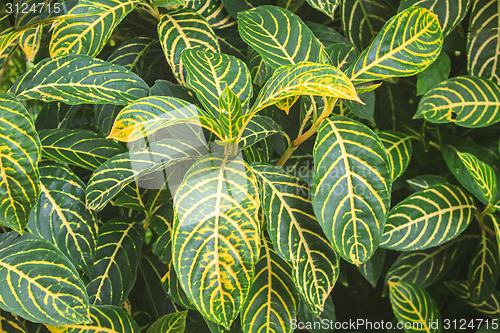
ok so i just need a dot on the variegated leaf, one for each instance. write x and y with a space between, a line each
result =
170 323
424 182
259 70
213 11
230 114
88 35
273 32
183 29
399 149
30 40
399 51
428 266
210 73
11 323
467 101
489 307
428 218
412 304
325 6
272 301
372 269
79 147
119 245
31 266
342 55
296 235
257 129
121 170
362 20
305 78
449 12
19 156
148 115
483 40
105 319
60 216
484 268
351 187
216 235
77 79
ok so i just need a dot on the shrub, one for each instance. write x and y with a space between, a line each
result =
228 165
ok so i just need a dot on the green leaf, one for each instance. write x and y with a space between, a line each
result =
476 176
78 147
213 11
170 323
230 113
210 73
467 101
325 6
304 78
483 40
150 114
119 245
363 19
106 318
326 35
484 268
272 301
183 29
216 236
60 216
30 40
436 73
351 187
88 35
259 70
273 32
424 182
428 266
259 128
365 110
372 269
489 307
236 6
11 323
77 79
327 315
342 55
412 304
494 219
398 51
19 156
55 115
296 236
449 12
428 218
399 149
121 170
31 266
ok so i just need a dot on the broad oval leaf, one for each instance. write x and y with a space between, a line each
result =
123 169
467 101
424 182
170 323
412 304
105 319
61 217
428 218
399 149
119 245
210 73
449 12
400 51
272 301
216 235
259 70
342 55
372 269
32 266
82 148
428 266
483 40
78 79
183 29
484 268
305 78
213 11
273 32
363 19
351 187
19 156
325 6
490 307
257 129
296 235
148 115
88 35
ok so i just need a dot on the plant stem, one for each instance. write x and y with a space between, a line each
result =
310 132
480 220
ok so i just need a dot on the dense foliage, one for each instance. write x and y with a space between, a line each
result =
249 165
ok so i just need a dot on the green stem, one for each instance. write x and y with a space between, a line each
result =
310 132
